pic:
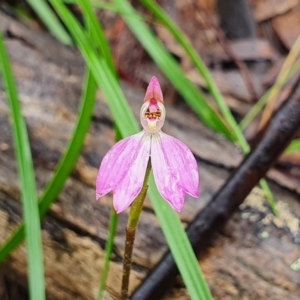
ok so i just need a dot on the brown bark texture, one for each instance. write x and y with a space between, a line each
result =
254 256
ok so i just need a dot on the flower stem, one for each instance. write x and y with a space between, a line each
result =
133 218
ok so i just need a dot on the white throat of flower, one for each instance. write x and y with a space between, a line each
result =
152 116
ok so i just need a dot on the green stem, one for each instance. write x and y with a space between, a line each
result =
269 196
133 218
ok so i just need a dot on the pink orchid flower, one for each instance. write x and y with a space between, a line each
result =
174 167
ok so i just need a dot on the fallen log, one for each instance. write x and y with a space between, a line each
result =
49 78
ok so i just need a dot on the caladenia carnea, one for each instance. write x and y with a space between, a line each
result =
126 167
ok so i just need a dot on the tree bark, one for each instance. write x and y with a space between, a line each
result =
49 78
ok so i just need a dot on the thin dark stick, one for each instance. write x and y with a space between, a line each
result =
215 215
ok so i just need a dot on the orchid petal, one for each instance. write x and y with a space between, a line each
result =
175 169
116 163
131 184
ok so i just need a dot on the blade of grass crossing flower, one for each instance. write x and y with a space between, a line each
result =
27 182
168 65
180 246
65 166
94 62
174 73
112 91
100 41
191 52
45 13
199 64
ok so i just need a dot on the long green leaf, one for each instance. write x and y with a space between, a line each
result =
121 113
167 64
289 62
180 246
97 34
98 38
199 64
45 13
117 103
27 181
215 92
65 166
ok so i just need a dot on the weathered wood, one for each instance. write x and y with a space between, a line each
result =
49 78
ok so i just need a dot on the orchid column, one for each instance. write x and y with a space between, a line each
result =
125 169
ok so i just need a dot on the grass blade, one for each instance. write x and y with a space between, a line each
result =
117 103
27 182
45 13
113 93
167 64
199 64
100 42
180 246
269 196
97 34
65 166
282 76
293 147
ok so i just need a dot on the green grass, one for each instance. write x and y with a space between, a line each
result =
102 47
94 47
143 34
191 52
180 246
127 125
170 68
65 165
46 14
27 182
293 147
